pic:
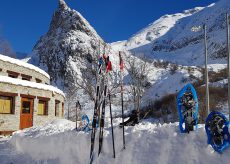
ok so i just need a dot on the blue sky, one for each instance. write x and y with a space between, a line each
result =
23 22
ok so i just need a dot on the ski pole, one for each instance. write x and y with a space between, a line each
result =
76 114
122 103
111 117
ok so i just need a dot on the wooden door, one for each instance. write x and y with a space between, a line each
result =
26 116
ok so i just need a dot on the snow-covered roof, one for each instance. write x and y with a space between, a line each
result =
23 64
9 80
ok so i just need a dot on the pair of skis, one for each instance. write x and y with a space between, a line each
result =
95 117
97 113
102 120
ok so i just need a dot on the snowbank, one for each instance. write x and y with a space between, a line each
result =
23 64
146 143
55 127
9 80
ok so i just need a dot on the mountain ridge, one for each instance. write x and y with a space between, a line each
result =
178 44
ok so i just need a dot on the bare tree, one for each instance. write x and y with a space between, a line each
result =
70 99
87 79
138 70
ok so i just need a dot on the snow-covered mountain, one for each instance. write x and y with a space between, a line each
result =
171 38
154 30
69 54
69 46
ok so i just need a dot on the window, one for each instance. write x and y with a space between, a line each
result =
57 108
42 107
12 74
6 104
26 107
26 77
38 80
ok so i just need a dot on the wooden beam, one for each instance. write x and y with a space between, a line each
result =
28 96
26 76
6 133
43 98
13 73
8 94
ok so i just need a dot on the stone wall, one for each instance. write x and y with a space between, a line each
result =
11 122
6 66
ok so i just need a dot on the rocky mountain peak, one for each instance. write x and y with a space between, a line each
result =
62 5
65 20
68 46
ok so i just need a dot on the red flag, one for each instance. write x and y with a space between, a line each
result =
121 62
109 67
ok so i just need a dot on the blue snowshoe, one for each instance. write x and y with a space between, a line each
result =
84 125
216 127
187 105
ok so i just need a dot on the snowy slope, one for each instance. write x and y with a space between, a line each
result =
146 143
154 30
171 38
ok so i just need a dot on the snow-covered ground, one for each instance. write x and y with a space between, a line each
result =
146 143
